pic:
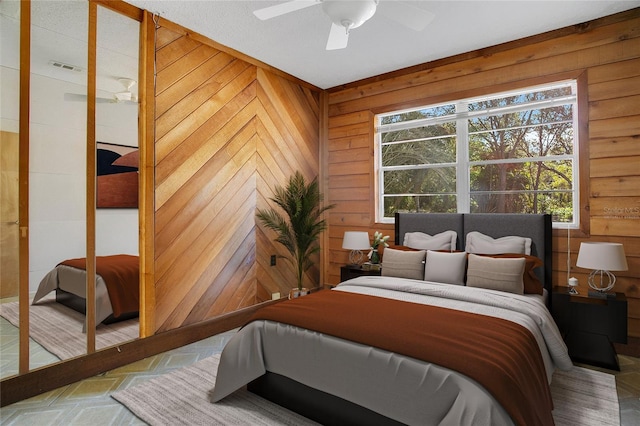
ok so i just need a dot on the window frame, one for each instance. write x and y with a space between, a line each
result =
579 157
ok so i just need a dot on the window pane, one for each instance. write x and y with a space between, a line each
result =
419 204
521 98
532 176
420 181
419 152
558 204
521 135
428 112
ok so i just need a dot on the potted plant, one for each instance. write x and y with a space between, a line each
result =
298 232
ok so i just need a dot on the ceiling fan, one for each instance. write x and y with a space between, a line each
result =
346 15
126 96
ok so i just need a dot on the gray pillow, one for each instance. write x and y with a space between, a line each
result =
442 267
483 244
403 264
419 240
504 274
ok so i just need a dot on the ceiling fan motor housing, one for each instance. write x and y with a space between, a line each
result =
349 14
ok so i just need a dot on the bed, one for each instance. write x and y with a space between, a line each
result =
442 355
117 286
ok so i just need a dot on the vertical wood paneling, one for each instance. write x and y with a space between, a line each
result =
226 132
609 53
147 165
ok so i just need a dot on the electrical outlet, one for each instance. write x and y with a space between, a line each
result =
275 296
273 260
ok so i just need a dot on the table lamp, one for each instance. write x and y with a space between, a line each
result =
602 258
356 241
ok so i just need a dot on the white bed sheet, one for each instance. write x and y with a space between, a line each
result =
396 386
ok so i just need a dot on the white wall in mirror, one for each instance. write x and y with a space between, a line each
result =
57 177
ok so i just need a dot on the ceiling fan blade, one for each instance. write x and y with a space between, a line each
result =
76 97
338 37
283 8
408 15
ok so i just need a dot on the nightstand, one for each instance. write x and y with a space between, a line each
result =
590 325
351 271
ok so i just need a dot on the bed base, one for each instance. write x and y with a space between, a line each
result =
330 410
313 404
79 304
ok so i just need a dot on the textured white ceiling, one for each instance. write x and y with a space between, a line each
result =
59 33
295 43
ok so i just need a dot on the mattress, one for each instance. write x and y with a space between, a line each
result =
117 284
391 384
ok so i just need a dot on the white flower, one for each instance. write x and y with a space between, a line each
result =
379 239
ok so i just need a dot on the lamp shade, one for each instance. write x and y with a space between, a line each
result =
356 240
602 256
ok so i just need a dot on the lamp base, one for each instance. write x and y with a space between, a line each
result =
596 280
602 294
355 257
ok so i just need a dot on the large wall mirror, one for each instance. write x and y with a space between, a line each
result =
9 149
62 226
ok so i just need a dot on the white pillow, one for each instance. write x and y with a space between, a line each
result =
502 274
484 244
448 268
403 264
419 240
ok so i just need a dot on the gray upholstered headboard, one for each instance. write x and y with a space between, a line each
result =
534 226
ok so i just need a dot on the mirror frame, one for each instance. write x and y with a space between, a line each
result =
145 141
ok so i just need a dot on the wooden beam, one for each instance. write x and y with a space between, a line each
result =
146 141
122 8
90 318
23 185
323 180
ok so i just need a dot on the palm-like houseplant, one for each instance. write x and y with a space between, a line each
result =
298 232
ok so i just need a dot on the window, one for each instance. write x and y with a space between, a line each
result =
513 152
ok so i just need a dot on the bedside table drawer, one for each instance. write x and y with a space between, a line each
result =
608 319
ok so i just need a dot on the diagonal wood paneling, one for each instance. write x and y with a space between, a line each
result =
287 129
226 133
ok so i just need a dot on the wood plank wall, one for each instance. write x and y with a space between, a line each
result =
226 132
608 50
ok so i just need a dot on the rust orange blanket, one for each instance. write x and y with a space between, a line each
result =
500 355
121 275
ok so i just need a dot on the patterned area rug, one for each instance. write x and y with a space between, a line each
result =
182 398
59 329
585 397
581 396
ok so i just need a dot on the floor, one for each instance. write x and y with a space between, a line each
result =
88 402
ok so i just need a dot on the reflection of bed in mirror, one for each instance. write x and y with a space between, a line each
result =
411 350
117 286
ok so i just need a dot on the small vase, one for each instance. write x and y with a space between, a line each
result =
375 256
295 293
